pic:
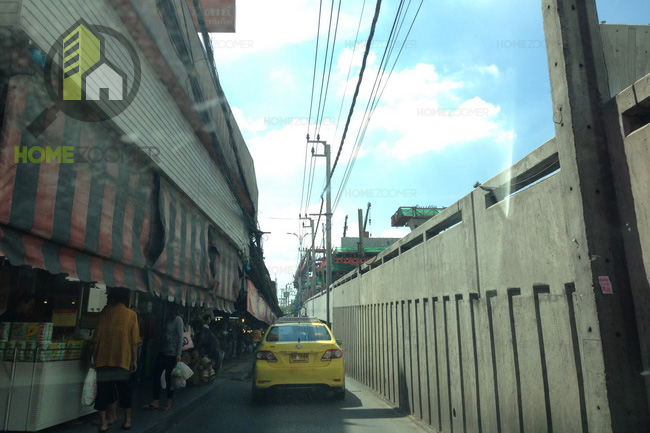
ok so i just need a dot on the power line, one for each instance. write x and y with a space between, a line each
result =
329 72
327 47
347 78
356 91
311 101
361 136
380 71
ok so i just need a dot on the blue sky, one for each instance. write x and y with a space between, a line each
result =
469 96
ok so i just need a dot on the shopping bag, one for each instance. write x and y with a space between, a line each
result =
182 370
163 383
178 383
90 388
187 341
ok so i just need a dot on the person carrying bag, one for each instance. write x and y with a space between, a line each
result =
170 354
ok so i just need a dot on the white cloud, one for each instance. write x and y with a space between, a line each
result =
422 110
264 25
490 70
427 111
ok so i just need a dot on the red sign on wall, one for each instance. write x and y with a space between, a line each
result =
219 15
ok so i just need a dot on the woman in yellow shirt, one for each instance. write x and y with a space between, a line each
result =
115 355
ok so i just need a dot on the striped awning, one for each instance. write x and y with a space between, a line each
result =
90 218
23 249
257 306
225 267
182 269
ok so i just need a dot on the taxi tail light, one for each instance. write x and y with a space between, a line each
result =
266 355
332 354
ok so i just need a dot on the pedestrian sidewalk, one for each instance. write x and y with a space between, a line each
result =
155 421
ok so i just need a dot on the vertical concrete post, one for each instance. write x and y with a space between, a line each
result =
616 398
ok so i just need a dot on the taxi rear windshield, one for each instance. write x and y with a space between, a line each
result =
298 333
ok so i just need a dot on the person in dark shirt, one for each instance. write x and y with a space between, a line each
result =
19 308
207 341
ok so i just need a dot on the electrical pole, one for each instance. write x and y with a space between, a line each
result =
328 222
312 255
298 271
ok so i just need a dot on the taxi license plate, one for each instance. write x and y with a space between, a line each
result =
298 357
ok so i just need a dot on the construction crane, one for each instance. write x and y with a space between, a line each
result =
365 222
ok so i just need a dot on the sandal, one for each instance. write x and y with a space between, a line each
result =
150 407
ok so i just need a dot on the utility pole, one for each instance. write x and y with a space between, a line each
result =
328 221
298 272
312 253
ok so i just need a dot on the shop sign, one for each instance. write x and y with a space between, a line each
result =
64 318
219 15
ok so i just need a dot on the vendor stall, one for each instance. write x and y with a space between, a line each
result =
44 388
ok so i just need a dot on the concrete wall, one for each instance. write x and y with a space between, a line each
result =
629 139
469 322
626 54
474 321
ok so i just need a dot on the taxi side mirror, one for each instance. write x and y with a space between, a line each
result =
339 342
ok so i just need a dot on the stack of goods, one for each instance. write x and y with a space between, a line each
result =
202 368
6 349
74 349
205 370
33 341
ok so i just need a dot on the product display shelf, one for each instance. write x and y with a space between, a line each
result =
35 395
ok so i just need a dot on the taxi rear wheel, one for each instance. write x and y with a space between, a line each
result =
339 394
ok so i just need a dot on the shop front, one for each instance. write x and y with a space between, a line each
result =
68 232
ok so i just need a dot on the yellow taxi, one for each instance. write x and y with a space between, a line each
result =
298 352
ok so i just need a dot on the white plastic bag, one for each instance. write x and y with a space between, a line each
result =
178 383
90 388
182 370
163 383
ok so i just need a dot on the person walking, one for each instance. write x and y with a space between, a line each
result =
115 355
208 342
170 353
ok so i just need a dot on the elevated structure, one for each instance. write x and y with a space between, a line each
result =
413 216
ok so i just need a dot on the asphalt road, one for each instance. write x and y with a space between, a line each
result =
228 409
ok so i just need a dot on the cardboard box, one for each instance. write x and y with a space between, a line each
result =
18 331
31 331
74 349
58 351
10 346
38 331
44 351
26 351
5 331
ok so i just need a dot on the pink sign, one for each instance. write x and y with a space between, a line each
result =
606 285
